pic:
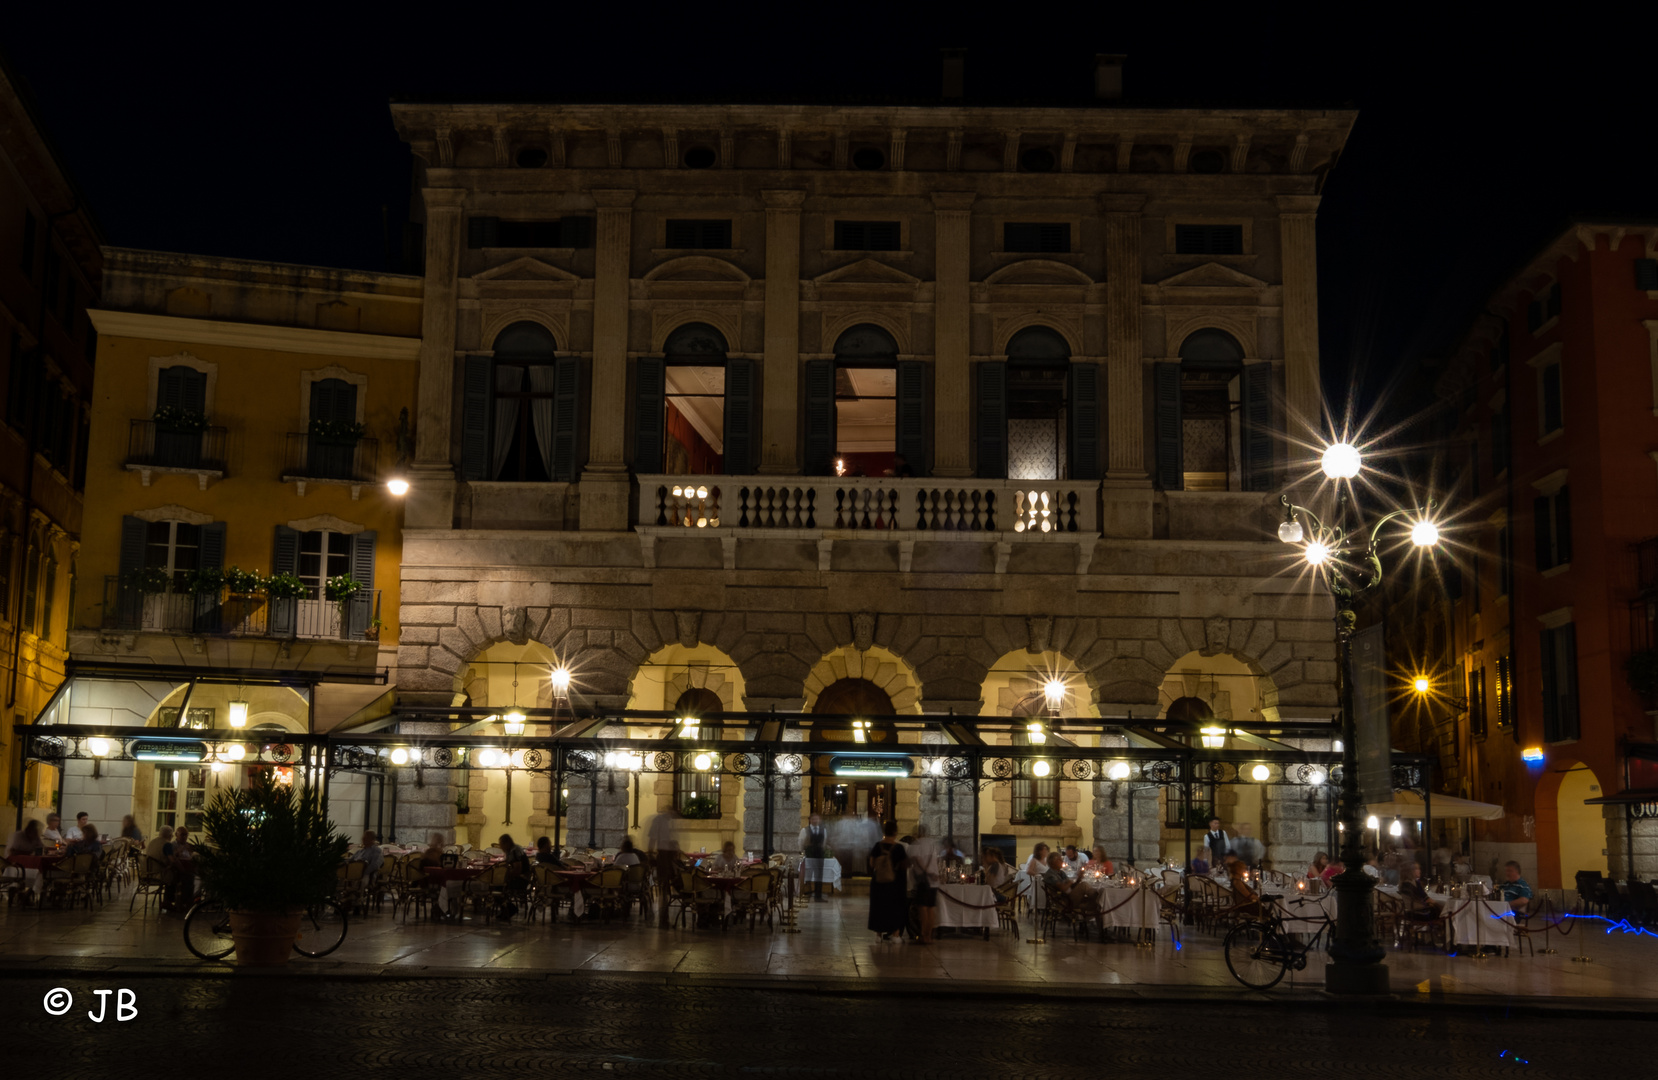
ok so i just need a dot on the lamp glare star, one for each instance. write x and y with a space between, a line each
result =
1317 554
1422 685
1340 461
1424 534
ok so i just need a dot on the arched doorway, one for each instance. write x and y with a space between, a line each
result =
853 806
1582 829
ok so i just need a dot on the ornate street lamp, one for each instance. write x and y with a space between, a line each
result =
1349 566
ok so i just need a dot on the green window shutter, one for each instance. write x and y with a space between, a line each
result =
182 387
1646 274
282 613
566 464
130 603
742 406
1551 687
334 400
649 413
991 431
1082 422
819 429
482 231
911 441
477 386
359 610
1565 651
1541 519
209 556
1563 526
1256 389
1171 469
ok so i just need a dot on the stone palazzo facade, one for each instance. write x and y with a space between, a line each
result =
956 391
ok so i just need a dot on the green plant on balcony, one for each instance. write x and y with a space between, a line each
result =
207 580
338 431
1641 669
176 419
286 587
237 580
700 808
148 579
340 589
1041 814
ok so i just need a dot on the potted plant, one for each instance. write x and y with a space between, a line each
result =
375 625
337 431
286 587
340 589
148 580
271 853
700 807
178 420
1041 814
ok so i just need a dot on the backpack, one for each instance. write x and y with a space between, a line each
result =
883 868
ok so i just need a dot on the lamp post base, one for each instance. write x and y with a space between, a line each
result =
1355 979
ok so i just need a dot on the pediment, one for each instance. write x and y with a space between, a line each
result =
525 268
1038 272
697 268
1211 276
866 272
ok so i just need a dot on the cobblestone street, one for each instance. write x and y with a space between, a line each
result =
563 1025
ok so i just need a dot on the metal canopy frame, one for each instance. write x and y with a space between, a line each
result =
961 763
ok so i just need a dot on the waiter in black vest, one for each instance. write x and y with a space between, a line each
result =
1220 845
814 841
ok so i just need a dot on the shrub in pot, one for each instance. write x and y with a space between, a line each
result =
1041 814
271 852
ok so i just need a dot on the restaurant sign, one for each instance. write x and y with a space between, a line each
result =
872 766
172 751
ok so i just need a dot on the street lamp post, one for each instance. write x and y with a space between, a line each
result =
1349 572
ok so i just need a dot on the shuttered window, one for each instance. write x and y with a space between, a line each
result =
991 383
182 388
1559 664
521 411
1257 428
1505 691
1476 700
569 232
868 235
1646 274
698 233
1082 427
1551 414
1552 522
1036 236
1208 240
1171 472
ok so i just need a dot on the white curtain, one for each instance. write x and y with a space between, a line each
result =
541 411
509 380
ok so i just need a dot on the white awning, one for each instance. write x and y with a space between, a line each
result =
1408 804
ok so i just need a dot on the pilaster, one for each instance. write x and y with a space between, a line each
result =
1299 254
604 483
432 481
951 339
782 338
1125 379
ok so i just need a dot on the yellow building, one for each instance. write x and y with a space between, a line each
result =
246 420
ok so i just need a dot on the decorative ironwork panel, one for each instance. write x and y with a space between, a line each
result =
1001 768
1077 769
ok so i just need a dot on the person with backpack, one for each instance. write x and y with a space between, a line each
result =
889 904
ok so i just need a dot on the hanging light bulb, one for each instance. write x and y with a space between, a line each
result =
1317 554
702 762
237 751
1397 828
1341 461
486 759
1372 822
1213 737
238 714
1424 534
1316 777
1054 691
1290 531
99 747
513 722
560 678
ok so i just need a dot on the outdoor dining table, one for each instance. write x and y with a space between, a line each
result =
966 906
1128 906
821 871
578 880
1307 914
1479 922
36 862
452 878
727 886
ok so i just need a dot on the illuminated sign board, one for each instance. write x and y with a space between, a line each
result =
872 766
170 751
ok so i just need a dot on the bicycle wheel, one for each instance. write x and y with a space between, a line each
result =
207 930
321 929
1256 955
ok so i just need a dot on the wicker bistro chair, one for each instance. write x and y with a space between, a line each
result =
14 883
1171 911
755 897
1007 907
417 890
548 892
348 884
696 896
152 883
1390 916
608 894
70 881
636 888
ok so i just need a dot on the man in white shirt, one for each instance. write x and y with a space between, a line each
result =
925 859
1074 859
370 855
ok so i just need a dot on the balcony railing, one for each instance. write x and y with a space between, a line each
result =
321 457
1046 507
225 614
154 446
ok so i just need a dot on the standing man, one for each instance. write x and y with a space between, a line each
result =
814 844
664 852
1218 843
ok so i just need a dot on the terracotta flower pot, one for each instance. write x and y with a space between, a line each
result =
263 938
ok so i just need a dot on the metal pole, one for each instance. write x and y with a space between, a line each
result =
768 818
558 799
391 823
973 771
1129 787
1427 819
593 808
1354 950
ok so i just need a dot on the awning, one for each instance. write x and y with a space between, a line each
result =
1408 804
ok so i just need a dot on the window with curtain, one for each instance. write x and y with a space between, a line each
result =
694 412
524 389
1038 370
866 402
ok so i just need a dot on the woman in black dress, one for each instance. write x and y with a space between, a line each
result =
889 904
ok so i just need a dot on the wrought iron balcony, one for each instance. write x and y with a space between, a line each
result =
153 448
323 459
221 613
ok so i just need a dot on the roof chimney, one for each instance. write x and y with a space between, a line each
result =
1108 76
955 60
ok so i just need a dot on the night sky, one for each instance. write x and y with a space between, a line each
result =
272 140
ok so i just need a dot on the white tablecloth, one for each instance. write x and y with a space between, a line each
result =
971 907
1307 914
1135 908
1477 923
827 871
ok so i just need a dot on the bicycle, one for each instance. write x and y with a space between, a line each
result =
322 929
1260 952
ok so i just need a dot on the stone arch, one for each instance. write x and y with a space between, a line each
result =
1018 677
697 268
667 323
1241 328
667 674
1231 688
1570 836
1212 347
885 669
833 329
1006 331
497 321
522 339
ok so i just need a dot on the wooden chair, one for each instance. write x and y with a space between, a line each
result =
636 888
1389 916
1007 907
1171 911
417 889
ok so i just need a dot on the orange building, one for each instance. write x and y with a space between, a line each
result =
1544 653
